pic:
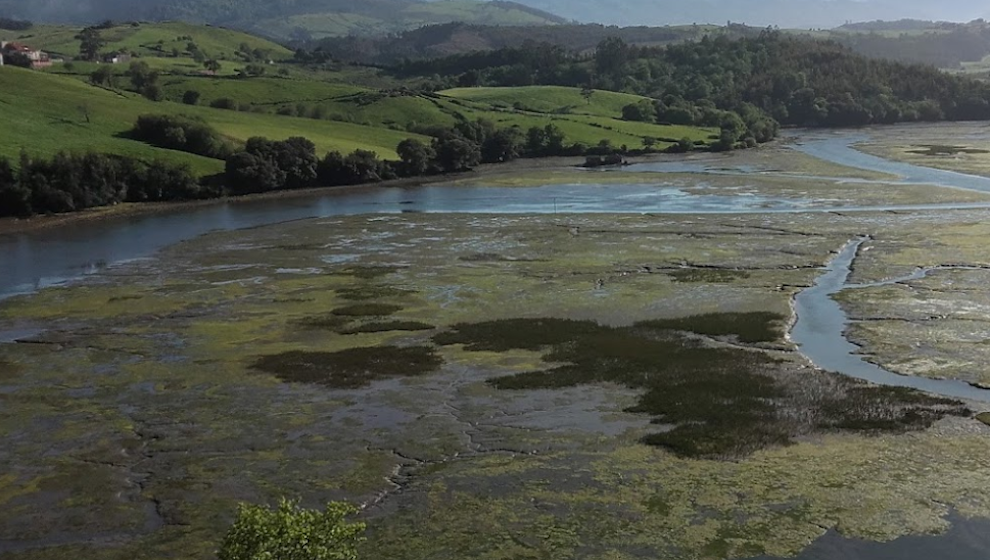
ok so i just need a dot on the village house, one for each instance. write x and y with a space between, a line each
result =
117 58
38 59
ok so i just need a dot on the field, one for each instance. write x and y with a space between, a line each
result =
340 109
147 39
44 113
410 16
58 109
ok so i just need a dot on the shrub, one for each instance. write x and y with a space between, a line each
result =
290 532
191 97
225 103
181 133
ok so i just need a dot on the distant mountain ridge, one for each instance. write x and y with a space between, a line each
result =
782 13
295 19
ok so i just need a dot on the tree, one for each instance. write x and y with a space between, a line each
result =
456 153
416 157
90 43
141 75
249 173
20 60
587 92
14 199
103 76
610 55
503 145
649 142
253 70
212 66
290 532
641 111
191 97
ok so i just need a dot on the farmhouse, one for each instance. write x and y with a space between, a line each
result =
117 58
10 50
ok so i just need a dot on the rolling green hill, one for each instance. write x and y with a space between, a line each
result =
44 113
289 19
150 39
401 109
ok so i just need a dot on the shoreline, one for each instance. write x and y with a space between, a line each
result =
17 226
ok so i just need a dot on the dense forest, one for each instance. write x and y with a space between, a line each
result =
796 80
457 38
945 45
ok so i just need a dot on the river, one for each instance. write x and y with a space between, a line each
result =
45 258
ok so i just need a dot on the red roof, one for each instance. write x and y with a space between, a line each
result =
19 47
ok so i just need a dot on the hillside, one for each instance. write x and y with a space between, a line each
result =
783 13
44 113
798 81
166 39
942 44
287 19
457 38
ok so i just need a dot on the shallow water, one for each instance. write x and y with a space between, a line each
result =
966 539
821 325
838 148
40 259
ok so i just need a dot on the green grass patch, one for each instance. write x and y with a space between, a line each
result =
708 275
747 327
943 150
45 113
350 369
367 310
367 293
149 39
323 322
714 403
513 334
984 417
389 326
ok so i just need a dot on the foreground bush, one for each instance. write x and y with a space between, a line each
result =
290 532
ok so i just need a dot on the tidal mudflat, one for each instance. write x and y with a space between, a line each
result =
485 386
959 147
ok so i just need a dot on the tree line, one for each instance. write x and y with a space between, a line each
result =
68 182
796 81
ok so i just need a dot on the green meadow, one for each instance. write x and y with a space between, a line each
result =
44 113
147 39
341 109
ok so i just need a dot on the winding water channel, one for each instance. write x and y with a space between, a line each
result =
821 325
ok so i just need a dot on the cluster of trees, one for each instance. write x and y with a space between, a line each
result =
69 182
15 24
143 79
795 80
181 133
746 124
266 165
